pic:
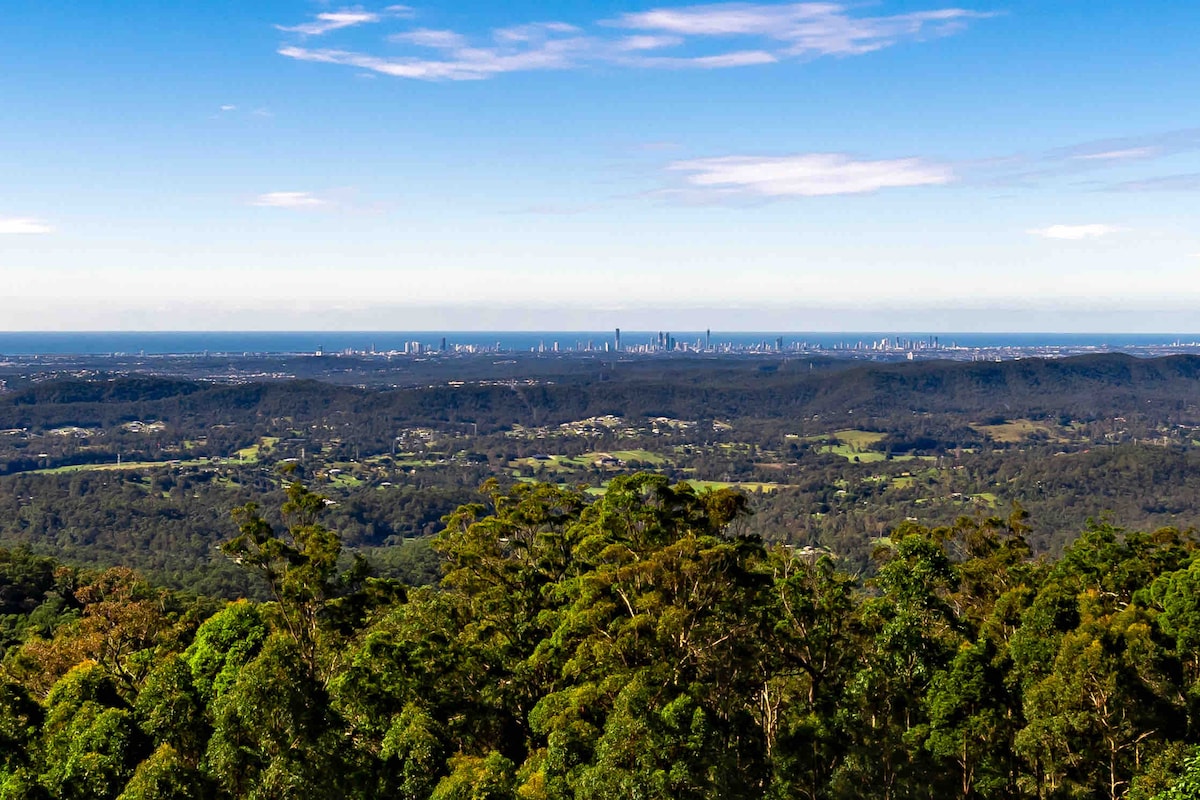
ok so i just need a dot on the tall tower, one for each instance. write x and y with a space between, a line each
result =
618 342
708 339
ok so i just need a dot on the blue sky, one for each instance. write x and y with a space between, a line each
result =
888 165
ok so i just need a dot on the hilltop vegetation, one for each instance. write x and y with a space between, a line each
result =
639 644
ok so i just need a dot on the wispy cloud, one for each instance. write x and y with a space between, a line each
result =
227 108
1188 182
741 58
747 34
1128 154
330 21
17 225
806 175
469 63
647 42
438 40
1130 148
734 178
288 200
534 32
1092 158
1075 232
802 29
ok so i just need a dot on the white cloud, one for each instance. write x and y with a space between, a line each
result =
1119 155
24 225
1187 182
533 32
424 37
332 21
1075 232
470 63
288 200
742 58
228 108
807 175
647 42
768 32
1100 156
804 29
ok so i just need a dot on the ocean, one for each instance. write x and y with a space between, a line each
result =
271 342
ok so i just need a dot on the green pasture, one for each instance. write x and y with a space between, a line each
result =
987 498
247 455
855 444
1013 431
860 440
644 456
122 467
554 463
748 486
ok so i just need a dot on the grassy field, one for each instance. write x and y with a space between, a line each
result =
746 486
860 440
637 455
345 479
854 445
630 455
123 466
592 490
247 455
555 463
1014 430
851 454
986 498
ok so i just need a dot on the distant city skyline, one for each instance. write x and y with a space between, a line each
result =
899 165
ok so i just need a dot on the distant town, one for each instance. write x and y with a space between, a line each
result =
664 343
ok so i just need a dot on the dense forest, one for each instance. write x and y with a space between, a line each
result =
639 643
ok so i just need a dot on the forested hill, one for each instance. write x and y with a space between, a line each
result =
636 646
1084 387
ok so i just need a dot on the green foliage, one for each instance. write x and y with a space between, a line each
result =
169 710
300 565
224 643
637 644
165 775
20 720
413 751
90 741
1186 786
489 777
